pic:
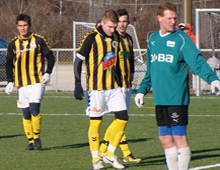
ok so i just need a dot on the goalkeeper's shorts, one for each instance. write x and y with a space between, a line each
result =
171 115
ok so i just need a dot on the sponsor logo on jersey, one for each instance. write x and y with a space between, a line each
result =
124 55
109 60
162 58
171 43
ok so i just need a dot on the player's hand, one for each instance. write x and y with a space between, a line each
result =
46 78
139 99
9 88
215 84
78 92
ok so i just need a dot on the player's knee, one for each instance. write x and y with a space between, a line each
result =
26 113
34 108
122 115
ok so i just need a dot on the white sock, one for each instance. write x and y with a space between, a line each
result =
184 155
171 158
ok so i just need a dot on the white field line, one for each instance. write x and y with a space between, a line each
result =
135 115
193 97
205 167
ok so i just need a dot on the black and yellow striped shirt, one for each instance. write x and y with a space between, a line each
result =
28 59
126 60
101 54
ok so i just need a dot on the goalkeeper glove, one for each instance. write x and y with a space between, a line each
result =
215 84
9 88
78 92
46 78
139 99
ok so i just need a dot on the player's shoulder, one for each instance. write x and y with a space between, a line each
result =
128 35
13 39
38 36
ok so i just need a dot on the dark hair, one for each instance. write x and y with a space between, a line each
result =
121 12
110 15
166 6
23 17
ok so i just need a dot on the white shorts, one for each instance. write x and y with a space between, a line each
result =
100 102
30 94
127 95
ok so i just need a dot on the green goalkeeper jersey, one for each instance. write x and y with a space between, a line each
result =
169 58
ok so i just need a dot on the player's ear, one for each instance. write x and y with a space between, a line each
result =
102 22
159 18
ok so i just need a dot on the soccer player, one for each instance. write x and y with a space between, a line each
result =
126 62
170 54
99 49
25 69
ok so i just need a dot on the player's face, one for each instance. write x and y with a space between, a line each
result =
122 24
23 29
108 27
167 22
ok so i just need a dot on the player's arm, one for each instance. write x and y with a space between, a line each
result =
47 52
196 62
145 85
9 68
9 62
132 65
78 68
81 54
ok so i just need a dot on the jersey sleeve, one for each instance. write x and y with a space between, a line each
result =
145 85
45 47
196 62
85 47
132 65
9 62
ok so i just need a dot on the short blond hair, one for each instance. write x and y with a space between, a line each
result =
110 15
166 6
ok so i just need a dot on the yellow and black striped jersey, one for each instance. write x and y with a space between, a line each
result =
100 53
28 59
126 60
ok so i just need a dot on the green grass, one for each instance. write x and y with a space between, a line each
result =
64 135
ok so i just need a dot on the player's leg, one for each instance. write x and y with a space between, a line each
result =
179 121
128 156
184 152
165 137
116 104
28 128
105 143
23 103
95 111
36 93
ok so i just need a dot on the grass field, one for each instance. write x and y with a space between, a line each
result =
64 135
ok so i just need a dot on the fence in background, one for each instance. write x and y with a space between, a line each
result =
62 78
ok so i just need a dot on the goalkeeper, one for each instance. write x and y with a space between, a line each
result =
170 54
25 61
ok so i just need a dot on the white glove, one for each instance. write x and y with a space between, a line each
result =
9 88
139 99
46 78
215 84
